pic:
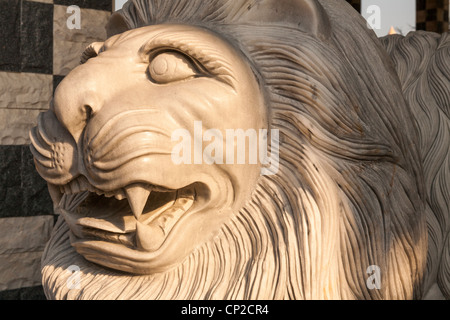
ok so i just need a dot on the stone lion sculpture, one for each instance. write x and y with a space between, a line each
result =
362 177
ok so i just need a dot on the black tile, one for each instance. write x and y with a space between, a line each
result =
431 14
56 81
23 193
357 7
10 35
11 196
37 200
105 5
32 293
421 4
37 37
421 26
10 163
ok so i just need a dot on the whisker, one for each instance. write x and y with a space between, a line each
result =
115 119
111 145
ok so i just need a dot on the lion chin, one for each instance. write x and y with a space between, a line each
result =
351 194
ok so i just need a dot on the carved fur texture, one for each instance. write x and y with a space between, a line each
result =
422 60
362 170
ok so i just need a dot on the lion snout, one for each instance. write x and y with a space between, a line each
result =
54 150
78 98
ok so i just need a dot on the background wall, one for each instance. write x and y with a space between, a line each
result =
37 49
433 15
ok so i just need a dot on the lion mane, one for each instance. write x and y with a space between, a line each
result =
349 192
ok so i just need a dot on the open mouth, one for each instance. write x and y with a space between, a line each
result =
139 216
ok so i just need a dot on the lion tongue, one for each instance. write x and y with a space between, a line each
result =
137 198
149 237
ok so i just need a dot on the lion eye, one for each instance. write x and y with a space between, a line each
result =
170 67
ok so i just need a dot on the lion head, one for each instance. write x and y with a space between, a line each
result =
346 195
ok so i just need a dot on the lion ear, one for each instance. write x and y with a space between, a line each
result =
307 15
116 25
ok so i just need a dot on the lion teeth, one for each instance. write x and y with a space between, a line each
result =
81 184
137 198
120 196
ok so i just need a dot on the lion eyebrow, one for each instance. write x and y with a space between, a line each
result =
91 51
210 57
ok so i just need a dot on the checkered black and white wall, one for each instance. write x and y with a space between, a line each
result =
432 15
37 49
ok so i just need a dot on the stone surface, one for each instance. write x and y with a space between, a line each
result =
69 44
56 81
22 97
22 241
26 35
36 37
30 293
10 35
19 270
25 91
23 193
15 125
37 200
24 234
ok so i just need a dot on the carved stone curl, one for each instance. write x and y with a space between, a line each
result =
361 179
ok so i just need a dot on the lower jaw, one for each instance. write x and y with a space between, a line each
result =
120 258
128 250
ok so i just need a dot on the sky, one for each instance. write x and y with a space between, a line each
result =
119 4
401 14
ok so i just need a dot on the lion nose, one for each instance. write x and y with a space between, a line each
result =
76 100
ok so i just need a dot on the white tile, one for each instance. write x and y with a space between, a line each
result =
22 242
25 90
